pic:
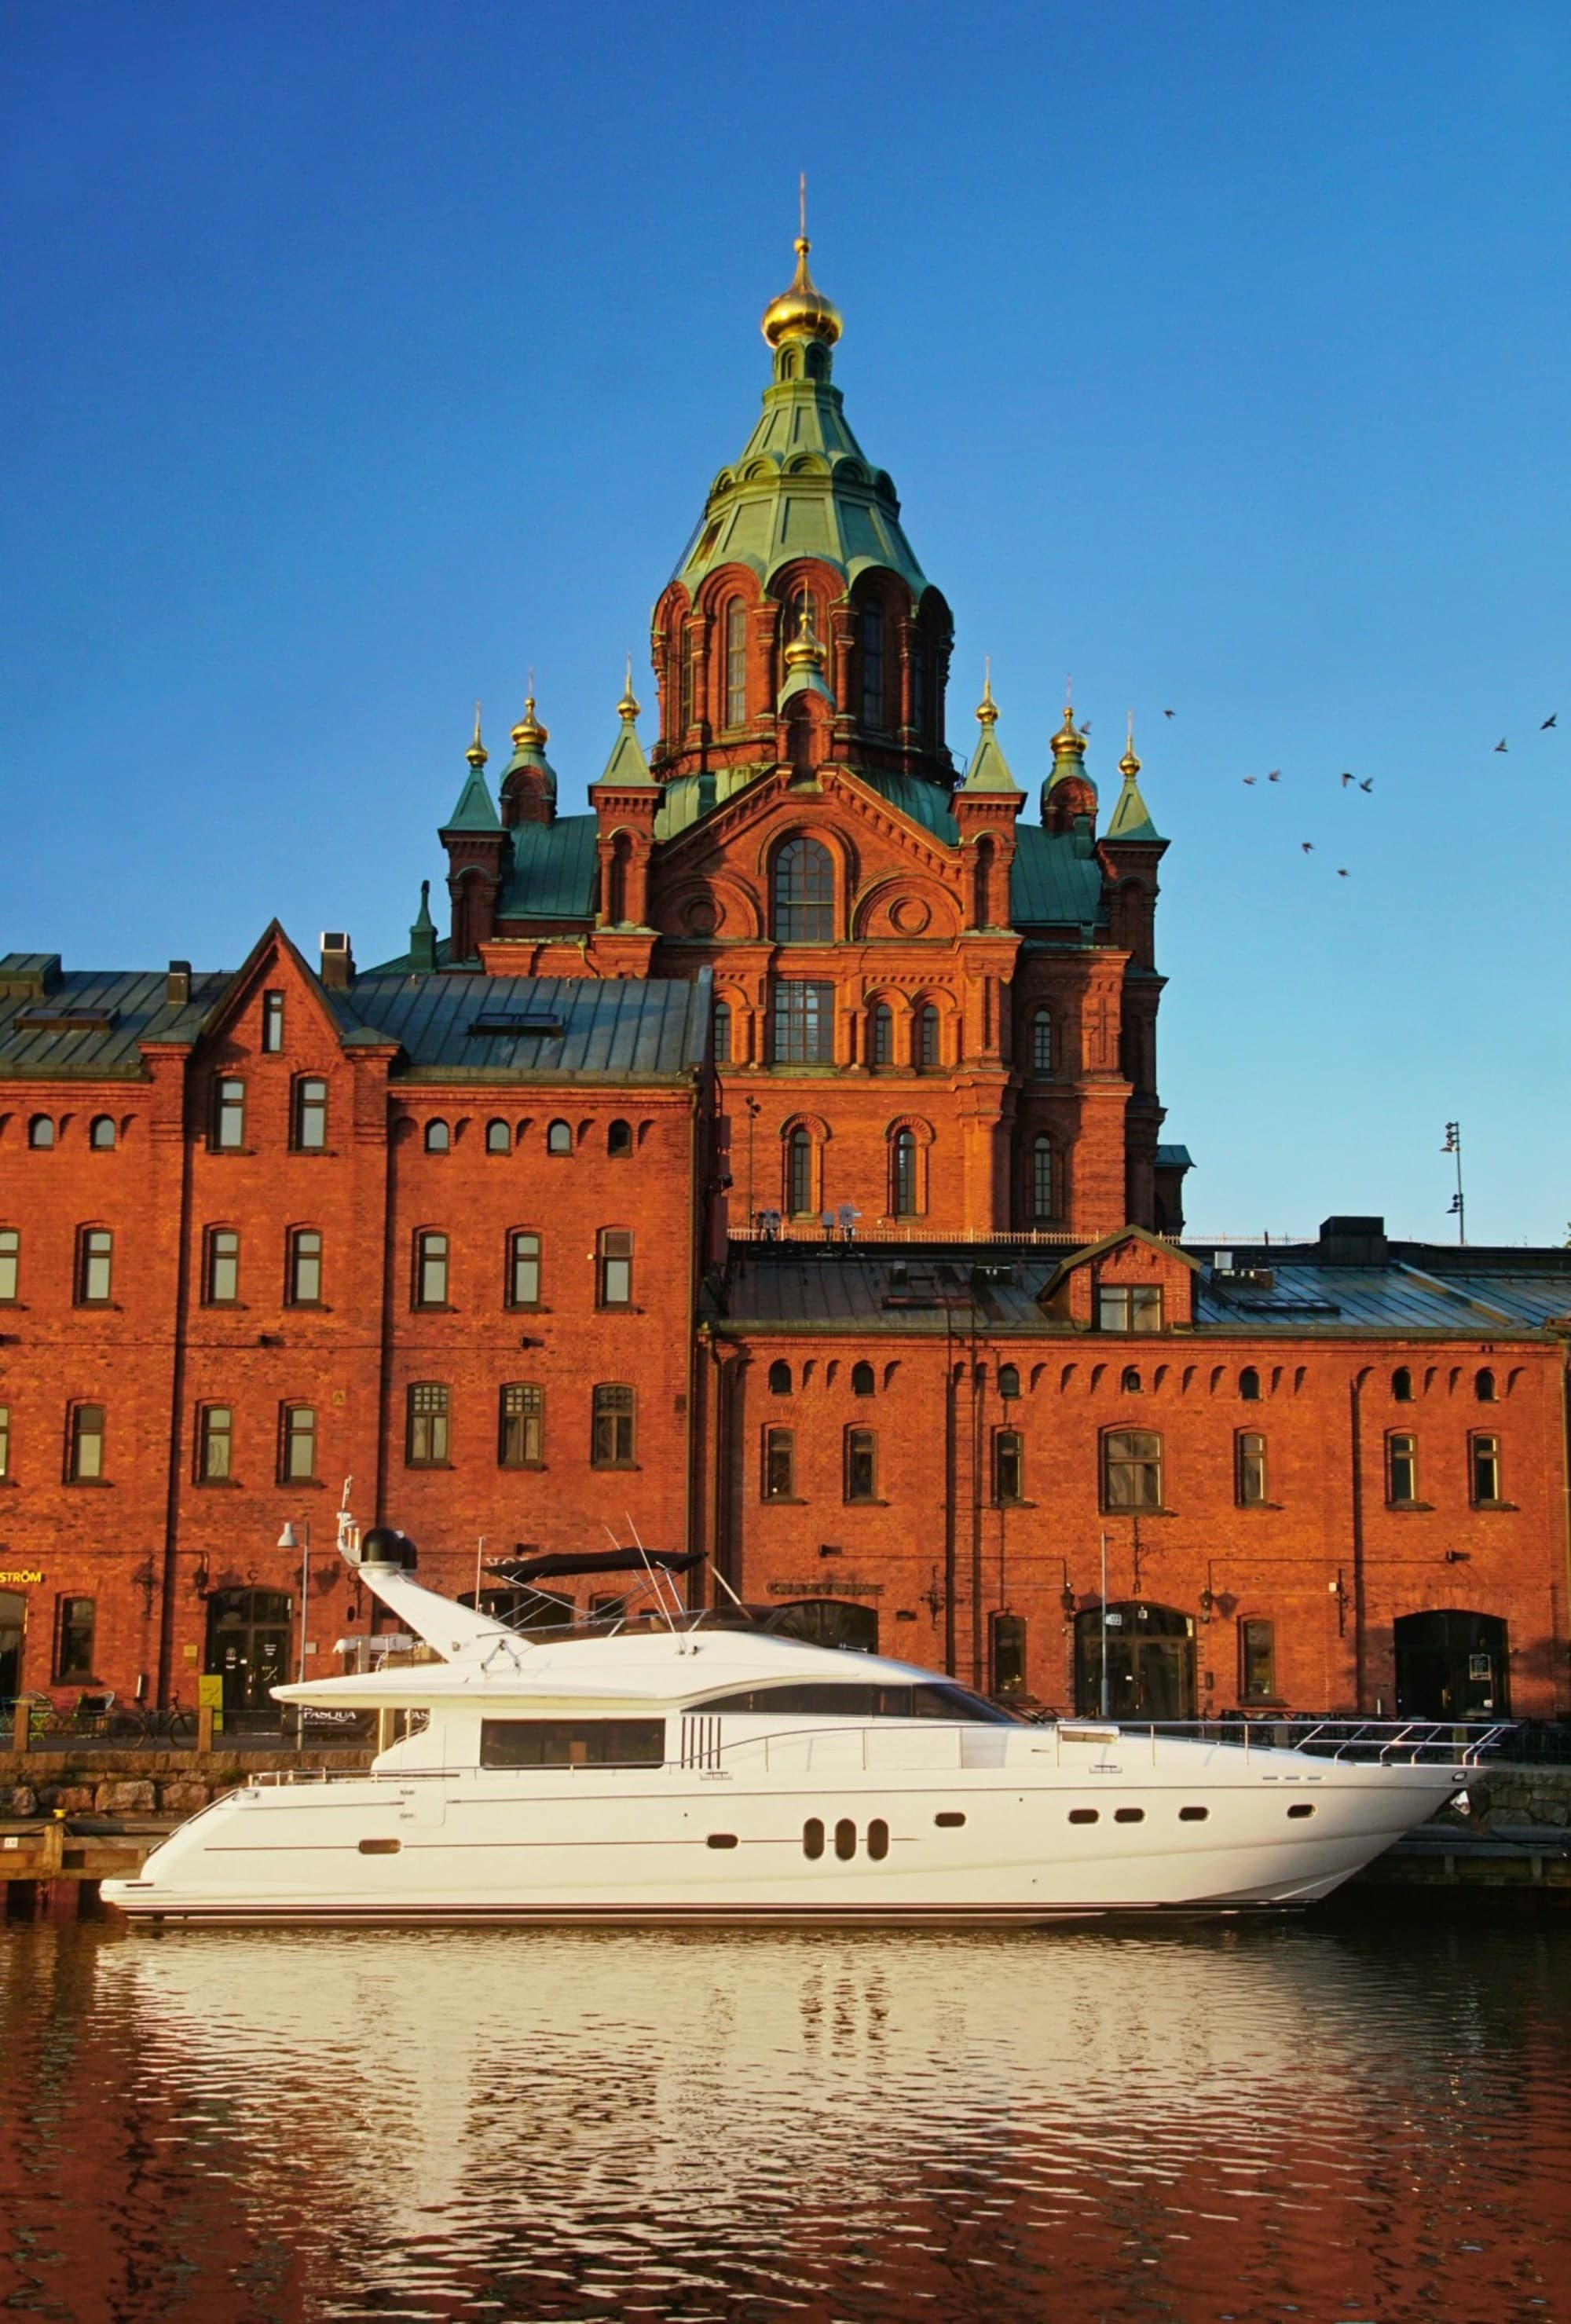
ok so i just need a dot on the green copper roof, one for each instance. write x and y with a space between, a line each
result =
803 487
552 876
1055 880
989 769
475 810
1130 819
627 763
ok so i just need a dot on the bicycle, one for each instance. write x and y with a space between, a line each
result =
138 1722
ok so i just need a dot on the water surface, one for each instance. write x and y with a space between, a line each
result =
1365 2121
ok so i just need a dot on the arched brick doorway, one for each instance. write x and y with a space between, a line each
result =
1452 1665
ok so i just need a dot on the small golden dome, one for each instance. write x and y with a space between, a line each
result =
804 648
628 707
988 709
1129 765
1068 742
802 312
529 728
476 752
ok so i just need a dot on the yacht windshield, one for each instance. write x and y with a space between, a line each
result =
845 1699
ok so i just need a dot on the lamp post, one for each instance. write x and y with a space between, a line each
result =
290 1539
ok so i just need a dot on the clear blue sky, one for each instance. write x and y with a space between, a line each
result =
358 356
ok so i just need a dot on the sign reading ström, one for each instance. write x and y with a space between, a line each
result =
23 1573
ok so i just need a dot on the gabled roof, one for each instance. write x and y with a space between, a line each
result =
552 875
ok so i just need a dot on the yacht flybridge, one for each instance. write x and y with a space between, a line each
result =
699 1768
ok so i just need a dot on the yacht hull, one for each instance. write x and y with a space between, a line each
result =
1203 1829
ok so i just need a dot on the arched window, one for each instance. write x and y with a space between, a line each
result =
438 1138
1130 1381
1132 1470
780 1379
928 1045
722 1032
862 1379
1483 1385
799 1174
686 652
871 628
612 1439
40 1131
521 1421
95 1266
804 893
229 1136
735 664
1042 1203
222 1270
303 1268
880 1034
905 1193
1042 1041
619 1138
102 1134
1402 1385
1008 1466
1009 1380
310 1115
498 1138
522 1268
559 1139
1249 1384
919 688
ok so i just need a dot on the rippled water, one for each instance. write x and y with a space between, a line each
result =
1192 2124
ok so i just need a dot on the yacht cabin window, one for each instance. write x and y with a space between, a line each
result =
572 1742
841 1698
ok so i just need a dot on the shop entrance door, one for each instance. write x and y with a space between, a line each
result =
12 1624
248 1646
1452 1665
1150 1661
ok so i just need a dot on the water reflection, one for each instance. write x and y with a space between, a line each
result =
1183 2125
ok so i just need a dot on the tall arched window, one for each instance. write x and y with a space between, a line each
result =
804 893
1042 1041
872 627
880 1034
919 688
928 1045
735 664
686 649
1042 1203
905 1193
722 1032
799 1174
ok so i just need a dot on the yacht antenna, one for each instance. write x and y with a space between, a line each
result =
649 1570
725 1585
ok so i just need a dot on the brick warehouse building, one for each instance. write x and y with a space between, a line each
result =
769 1156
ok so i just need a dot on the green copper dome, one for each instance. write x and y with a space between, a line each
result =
803 487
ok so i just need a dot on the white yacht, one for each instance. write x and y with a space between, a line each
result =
688 1769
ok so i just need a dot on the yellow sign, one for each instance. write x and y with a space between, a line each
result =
210 1691
20 1573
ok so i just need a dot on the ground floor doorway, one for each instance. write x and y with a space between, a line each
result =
1150 1661
1452 1665
249 1633
12 1629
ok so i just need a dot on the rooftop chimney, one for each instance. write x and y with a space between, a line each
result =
177 990
337 961
1352 1243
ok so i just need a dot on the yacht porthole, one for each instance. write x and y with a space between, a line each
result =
845 1839
1129 1815
722 1840
1083 1815
878 1839
950 1820
1302 1808
379 1847
813 1838
1193 1815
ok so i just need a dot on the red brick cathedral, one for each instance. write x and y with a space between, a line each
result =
768 1159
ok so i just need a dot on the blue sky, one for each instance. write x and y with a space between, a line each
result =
359 357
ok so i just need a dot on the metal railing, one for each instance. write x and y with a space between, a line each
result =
1402 1742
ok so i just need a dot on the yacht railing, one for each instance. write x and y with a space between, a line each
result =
1405 1742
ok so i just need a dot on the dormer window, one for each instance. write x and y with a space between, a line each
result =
1129 1308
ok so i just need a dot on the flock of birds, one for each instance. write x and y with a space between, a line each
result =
1350 782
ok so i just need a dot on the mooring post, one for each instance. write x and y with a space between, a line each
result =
21 1721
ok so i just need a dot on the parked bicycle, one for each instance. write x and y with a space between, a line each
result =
144 1723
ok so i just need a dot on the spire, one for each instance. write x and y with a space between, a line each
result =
422 934
803 311
1130 819
989 769
627 763
1068 794
1068 742
475 810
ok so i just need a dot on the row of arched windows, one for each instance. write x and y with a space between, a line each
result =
44 1131
875 669
906 1193
501 1137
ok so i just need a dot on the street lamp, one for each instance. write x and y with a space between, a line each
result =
290 1539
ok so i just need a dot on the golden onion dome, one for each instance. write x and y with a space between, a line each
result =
804 649
988 709
1129 765
529 728
476 752
802 312
1068 742
628 706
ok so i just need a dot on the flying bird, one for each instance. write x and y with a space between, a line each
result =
1501 744
1252 779
1308 846
1341 874
1369 786
1549 721
1346 778
1275 775
1166 713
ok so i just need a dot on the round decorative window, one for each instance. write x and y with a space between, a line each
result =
909 914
